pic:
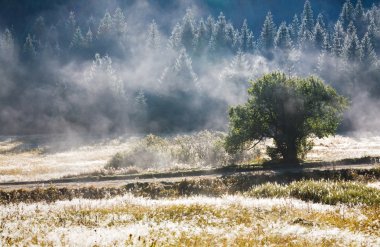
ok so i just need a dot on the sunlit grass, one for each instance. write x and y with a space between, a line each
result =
315 208
195 221
328 192
301 213
23 160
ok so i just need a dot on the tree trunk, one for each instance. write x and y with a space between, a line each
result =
290 154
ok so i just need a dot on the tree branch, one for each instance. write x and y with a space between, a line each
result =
256 143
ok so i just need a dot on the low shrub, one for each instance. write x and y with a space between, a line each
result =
202 149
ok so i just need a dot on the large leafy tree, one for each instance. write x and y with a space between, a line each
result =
287 109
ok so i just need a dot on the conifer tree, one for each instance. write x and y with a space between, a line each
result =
319 37
352 48
283 40
368 53
239 62
238 72
188 31
181 73
268 33
347 14
7 40
7 46
307 17
246 38
326 43
307 26
29 47
119 22
154 39
338 40
360 20
103 70
183 67
251 42
210 24
105 25
91 23
351 29
321 62
78 40
201 37
231 37
39 27
89 37
372 32
140 104
175 37
71 22
219 38
294 29
359 11
321 21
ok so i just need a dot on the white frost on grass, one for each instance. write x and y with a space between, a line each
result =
35 165
29 164
128 199
23 221
375 185
168 232
343 147
344 237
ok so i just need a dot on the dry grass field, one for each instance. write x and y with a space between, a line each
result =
322 209
28 160
189 221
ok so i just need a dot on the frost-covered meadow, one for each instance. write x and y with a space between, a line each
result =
231 211
22 161
197 221
83 86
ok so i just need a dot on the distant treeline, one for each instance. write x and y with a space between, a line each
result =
117 73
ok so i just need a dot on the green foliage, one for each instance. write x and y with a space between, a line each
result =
287 109
332 187
324 191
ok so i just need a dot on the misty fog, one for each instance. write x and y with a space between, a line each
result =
138 68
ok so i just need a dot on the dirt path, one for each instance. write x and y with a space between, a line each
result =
119 180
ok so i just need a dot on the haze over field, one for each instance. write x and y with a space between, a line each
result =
20 160
189 123
105 67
